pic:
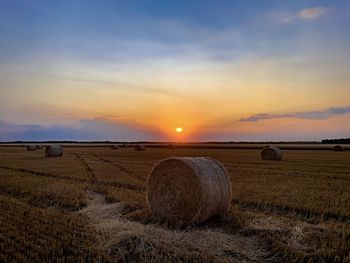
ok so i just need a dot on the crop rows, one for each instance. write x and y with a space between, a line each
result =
30 234
298 208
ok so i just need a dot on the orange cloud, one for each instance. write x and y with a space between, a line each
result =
312 13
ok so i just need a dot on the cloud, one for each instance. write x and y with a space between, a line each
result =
303 14
312 13
312 115
85 130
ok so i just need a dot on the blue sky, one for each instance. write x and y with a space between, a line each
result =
202 65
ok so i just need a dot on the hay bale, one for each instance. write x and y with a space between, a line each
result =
54 151
171 146
271 153
338 148
140 147
40 147
32 148
188 189
115 147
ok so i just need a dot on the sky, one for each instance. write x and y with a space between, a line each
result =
137 70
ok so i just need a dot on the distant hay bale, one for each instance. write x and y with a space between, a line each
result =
171 146
115 147
54 151
188 189
338 148
32 148
140 147
271 153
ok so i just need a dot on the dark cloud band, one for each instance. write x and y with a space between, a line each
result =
313 115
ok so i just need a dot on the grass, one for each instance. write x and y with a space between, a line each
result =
294 210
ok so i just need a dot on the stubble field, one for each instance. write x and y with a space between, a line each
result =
90 206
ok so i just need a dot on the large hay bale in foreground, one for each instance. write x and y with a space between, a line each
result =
31 148
54 151
338 148
188 189
140 147
271 153
40 146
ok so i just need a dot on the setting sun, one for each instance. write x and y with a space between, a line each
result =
179 130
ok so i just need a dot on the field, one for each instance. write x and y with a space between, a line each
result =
89 206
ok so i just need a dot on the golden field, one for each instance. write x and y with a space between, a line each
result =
89 206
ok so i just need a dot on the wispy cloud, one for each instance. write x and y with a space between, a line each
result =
313 115
303 14
312 13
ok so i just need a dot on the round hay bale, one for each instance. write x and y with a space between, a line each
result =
31 148
188 189
338 148
54 151
115 147
140 147
171 146
271 153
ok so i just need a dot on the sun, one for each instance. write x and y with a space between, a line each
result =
179 130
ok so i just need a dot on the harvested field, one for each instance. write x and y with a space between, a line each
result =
95 200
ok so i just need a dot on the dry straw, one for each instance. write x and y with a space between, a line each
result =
32 148
140 147
188 189
54 151
115 147
271 153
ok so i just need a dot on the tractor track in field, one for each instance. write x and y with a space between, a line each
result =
298 213
116 184
49 175
91 177
120 167
344 176
43 174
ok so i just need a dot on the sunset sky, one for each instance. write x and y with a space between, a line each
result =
137 70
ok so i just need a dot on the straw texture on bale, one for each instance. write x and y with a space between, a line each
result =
40 147
32 148
271 153
338 148
140 147
115 147
188 189
54 151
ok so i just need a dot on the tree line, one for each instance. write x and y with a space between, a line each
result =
340 141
